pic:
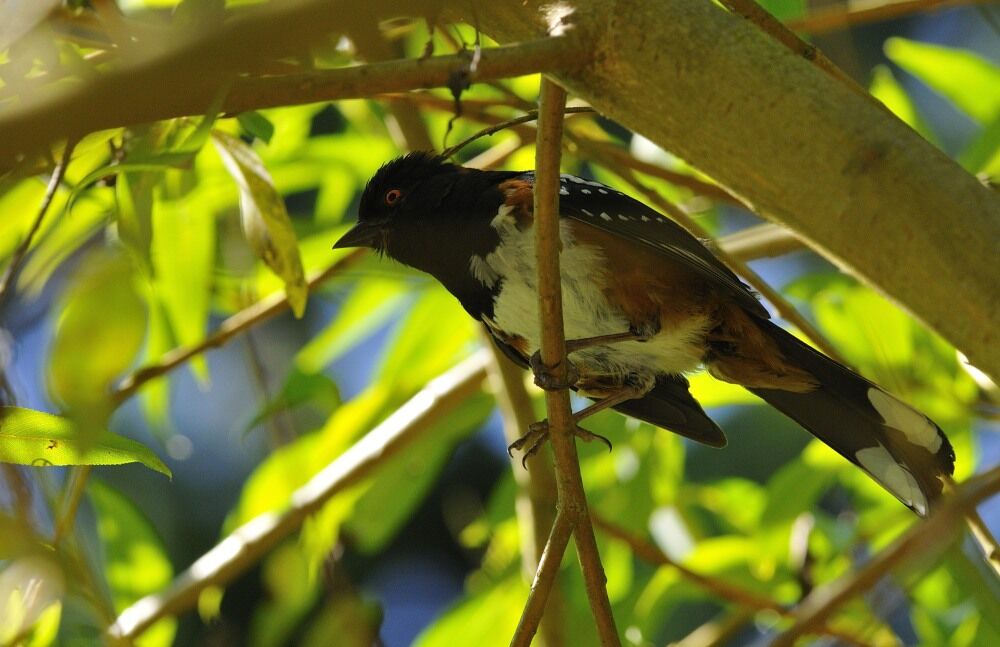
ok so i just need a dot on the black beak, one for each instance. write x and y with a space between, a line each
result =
363 234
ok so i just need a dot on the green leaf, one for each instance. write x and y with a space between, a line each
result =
183 257
372 303
29 437
266 224
135 561
100 330
969 81
300 388
134 198
484 619
982 154
256 125
405 479
888 90
292 592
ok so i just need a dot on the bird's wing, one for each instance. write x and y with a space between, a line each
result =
618 214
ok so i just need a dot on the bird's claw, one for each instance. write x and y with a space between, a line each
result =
538 434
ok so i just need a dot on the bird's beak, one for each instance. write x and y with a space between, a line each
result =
363 234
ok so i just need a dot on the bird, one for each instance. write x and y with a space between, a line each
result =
645 304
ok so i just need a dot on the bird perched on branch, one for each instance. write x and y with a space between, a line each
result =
644 302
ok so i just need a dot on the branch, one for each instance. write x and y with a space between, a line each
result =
760 241
923 541
257 313
572 500
124 97
248 543
534 502
10 273
842 16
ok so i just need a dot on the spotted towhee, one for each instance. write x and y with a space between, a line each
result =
644 302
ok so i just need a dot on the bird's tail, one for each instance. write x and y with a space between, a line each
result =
899 447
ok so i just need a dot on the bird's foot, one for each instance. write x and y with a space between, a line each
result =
545 377
538 434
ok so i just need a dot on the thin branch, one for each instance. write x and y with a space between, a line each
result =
572 498
531 115
535 500
544 581
248 543
841 16
10 273
923 541
760 241
75 487
261 311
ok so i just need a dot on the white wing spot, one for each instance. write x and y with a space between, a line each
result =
587 212
563 191
573 178
585 191
621 217
604 191
605 216
899 416
884 469
645 218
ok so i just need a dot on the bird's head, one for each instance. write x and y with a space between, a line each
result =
401 197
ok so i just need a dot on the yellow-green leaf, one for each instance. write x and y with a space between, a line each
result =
29 437
100 330
266 224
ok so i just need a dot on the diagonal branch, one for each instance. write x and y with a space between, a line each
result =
247 544
244 319
924 540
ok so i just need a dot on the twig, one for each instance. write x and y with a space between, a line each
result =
981 533
536 487
531 115
545 577
74 492
10 274
245 545
572 499
760 241
841 16
923 541
261 311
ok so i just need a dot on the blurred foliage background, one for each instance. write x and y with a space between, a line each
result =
162 235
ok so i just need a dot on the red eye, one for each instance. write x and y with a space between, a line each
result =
392 196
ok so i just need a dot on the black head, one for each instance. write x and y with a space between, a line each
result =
403 191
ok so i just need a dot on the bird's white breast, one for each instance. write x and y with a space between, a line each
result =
586 310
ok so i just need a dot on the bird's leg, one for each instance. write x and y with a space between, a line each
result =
544 378
538 432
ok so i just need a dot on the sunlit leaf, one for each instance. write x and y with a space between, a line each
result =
368 306
890 92
183 257
256 124
135 563
266 224
486 618
29 437
292 593
982 155
968 80
134 198
405 479
300 388
100 329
